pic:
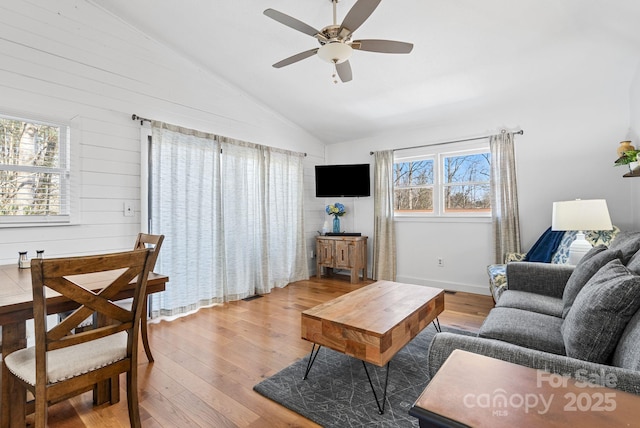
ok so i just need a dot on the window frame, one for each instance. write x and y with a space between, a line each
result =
64 169
437 153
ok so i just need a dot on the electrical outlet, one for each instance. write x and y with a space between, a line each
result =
440 262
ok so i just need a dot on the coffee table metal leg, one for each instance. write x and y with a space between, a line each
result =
436 324
386 383
312 358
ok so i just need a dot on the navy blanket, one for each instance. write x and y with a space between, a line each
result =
545 246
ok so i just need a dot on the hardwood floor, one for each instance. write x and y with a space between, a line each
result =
206 364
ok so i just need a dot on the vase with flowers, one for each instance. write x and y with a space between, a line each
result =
336 210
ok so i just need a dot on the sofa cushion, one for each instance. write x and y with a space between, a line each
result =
627 353
628 243
524 328
531 302
634 263
591 263
601 312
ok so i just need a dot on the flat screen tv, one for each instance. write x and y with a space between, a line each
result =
342 180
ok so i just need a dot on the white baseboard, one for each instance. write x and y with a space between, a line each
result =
449 286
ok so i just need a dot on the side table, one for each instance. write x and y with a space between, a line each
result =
342 252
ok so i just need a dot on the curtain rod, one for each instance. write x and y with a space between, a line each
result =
521 132
141 119
144 119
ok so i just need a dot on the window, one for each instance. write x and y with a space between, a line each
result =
34 172
413 185
441 181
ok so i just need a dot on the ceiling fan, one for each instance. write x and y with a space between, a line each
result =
335 41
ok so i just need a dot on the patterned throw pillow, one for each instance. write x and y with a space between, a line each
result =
601 237
601 312
594 237
562 253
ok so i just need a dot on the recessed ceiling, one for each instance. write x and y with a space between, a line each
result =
463 52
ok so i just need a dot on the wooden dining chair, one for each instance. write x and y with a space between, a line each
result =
143 240
62 364
154 242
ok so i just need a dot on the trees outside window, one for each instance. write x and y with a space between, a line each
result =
34 174
443 183
466 183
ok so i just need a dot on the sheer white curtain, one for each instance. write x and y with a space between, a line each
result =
384 239
231 213
504 196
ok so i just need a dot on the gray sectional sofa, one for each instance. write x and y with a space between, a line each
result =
581 321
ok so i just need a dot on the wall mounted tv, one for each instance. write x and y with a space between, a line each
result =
342 180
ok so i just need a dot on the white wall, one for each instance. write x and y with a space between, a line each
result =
632 189
574 109
71 62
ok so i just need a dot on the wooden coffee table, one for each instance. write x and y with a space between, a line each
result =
472 390
372 323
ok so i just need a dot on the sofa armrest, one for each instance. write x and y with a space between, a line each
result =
444 343
540 278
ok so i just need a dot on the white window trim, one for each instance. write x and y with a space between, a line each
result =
437 153
71 152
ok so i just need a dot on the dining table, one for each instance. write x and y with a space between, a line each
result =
16 307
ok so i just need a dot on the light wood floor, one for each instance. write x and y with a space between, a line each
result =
207 363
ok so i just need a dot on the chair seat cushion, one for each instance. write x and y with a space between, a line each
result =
524 328
69 362
531 302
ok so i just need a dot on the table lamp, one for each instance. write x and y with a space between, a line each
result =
580 215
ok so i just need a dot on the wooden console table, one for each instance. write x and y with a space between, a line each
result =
471 390
342 252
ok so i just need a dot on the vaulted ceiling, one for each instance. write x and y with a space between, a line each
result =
465 53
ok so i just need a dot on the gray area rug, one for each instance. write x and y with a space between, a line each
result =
338 394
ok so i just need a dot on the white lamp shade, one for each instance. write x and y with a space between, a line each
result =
588 214
335 52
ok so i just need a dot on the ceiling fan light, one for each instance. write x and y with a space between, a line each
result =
335 52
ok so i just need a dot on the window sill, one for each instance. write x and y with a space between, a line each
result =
442 219
23 225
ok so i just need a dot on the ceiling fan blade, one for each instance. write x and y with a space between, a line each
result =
344 71
382 46
291 22
295 58
357 15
